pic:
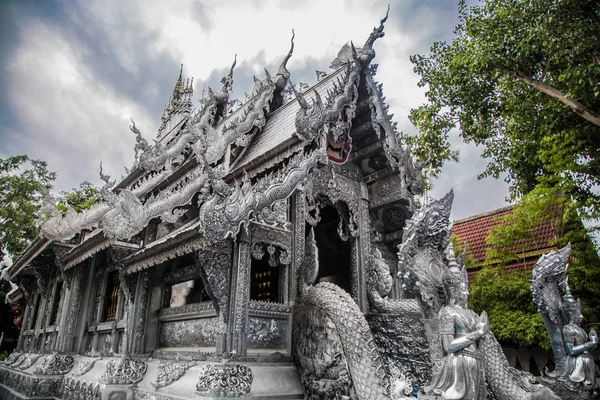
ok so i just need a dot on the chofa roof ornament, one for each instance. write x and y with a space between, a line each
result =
366 53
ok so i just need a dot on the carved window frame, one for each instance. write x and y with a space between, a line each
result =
97 319
199 310
55 305
34 311
276 243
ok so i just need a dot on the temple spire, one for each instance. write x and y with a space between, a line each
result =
180 103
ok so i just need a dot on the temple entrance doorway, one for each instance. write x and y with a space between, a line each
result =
334 253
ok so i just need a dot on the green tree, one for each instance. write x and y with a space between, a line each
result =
522 79
79 199
507 295
23 182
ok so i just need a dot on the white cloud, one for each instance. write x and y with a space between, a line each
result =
70 117
66 116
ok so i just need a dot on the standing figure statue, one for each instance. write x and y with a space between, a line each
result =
461 375
580 374
574 376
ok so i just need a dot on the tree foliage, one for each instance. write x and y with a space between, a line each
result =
22 184
79 199
522 79
507 295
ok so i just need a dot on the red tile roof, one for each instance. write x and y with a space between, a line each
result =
473 231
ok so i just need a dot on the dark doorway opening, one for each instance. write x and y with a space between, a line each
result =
334 253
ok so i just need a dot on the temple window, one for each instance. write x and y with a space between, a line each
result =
111 296
186 292
53 316
264 281
35 309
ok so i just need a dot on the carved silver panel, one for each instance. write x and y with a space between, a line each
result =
54 364
124 371
85 364
266 333
224 380
190 333
169 371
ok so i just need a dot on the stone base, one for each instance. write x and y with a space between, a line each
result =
271 381
17 383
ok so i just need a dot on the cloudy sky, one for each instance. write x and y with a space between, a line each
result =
74 72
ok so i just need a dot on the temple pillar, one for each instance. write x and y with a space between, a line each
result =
140 319
25 321
363 247
78 324
240 295
298 237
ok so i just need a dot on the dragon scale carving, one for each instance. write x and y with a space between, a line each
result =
505 382
366 374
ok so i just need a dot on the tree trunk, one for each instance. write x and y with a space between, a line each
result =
576 106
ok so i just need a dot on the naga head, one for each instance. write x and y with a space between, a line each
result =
6 261
421 254
367 53
549 277
552 267
48 209
429 227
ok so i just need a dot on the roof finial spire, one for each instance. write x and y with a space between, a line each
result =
227 81
283 74
180 101
367 51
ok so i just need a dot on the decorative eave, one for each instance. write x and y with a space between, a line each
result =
33 250
14 295
134 174
91 246
182 241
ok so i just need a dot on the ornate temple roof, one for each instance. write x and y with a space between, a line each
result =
279 132
227 160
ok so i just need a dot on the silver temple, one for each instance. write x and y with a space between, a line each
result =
271 248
